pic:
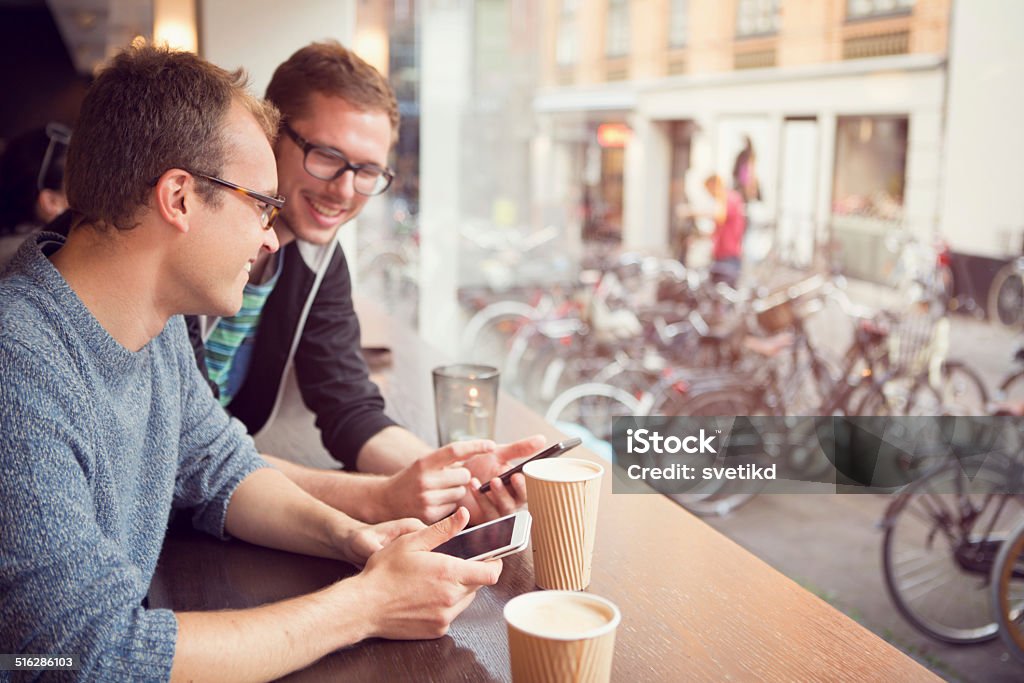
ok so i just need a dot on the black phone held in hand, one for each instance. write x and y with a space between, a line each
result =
552 451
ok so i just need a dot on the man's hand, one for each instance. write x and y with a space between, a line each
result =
430 488
413 593
501 500
362 542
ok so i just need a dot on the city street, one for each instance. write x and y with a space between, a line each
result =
831 544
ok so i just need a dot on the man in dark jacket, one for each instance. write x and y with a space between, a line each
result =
340 118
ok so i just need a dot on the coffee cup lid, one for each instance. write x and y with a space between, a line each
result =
517 613
554 469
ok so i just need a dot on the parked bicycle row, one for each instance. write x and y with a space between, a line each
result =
661 339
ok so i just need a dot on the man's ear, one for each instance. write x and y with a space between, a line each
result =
175 198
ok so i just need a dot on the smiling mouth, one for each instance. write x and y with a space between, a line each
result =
324 209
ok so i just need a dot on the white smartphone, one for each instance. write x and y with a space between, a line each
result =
491 540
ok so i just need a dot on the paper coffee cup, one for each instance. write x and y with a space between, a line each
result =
556 636
563 495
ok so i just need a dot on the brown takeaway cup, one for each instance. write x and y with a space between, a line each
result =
561 637
563 495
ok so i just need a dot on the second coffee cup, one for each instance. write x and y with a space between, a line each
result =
563 494
561 637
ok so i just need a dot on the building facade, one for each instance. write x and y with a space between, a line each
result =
842 102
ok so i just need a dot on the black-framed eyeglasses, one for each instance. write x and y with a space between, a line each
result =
327 163
271 204
60 137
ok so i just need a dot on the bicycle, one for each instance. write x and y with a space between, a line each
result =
942 534
491 329
962 391
593 407
861 387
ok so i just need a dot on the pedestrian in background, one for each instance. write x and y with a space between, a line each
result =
727 239
744 173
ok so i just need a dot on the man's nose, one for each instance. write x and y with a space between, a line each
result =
270 241
344 185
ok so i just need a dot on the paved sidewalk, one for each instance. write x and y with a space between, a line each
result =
831 546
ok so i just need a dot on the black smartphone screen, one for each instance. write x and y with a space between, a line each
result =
480 540
551 451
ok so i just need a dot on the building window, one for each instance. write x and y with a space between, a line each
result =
757 18
678 23
871 165
567 47
862 9
617 31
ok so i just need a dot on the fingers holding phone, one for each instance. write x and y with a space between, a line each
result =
506 492
488 465
499 501
552 451
416 593
430 488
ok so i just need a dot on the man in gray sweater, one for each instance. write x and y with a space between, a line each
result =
106 424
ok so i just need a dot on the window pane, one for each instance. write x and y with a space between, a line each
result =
617 31
566 49
678 23
856 9
871 159
757 17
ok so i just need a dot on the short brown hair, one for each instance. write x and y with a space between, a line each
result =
152 109
330 69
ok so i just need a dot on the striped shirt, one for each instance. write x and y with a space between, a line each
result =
229 346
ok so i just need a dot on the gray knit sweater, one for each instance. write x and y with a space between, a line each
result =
97 444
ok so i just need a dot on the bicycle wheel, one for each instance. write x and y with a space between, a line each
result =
592 406
546 359
808 379
1006 297
901 396
488 333
938 551
962 392
1008 592
1012 388
715 497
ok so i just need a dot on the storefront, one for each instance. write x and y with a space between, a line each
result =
844 150
868 188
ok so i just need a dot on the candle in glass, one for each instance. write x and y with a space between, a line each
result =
465 397
472 405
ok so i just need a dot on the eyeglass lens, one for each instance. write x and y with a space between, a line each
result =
322 164
268 215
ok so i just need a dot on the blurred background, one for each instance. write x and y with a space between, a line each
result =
533 130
